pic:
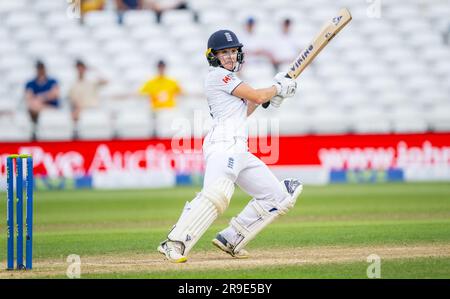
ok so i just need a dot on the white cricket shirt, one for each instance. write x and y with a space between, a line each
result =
229 113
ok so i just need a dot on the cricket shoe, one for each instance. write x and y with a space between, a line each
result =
221 243
172 251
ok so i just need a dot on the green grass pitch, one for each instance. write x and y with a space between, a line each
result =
328 234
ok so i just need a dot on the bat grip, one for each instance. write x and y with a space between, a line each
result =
266 104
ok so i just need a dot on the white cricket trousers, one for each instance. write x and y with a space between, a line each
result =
233 161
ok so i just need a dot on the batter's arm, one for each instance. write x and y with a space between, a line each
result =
251 107
257 96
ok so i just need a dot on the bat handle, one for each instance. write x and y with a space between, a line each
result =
266 104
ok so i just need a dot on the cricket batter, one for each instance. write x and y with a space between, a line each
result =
228 160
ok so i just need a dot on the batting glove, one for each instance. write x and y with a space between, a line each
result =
286 87
276 101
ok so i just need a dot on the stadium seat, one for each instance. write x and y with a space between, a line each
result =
114 89
55 20
193 87
407 120
21 19
424 38
396 54
179 72
191 103
260 16
94 124
438 10
374 27
12 6
292 124
352 100
146 33
437 54
47 6
98 19
370 68
419 82
109 33
260 70
19 76
173 122
329 121
370 120
96 60
391 98
133 124
116 47
8 49
375 63
54 125
208 17
381 42
6 104
38 49
313 100
27 35
57 62
13 62
15 126
385 83
343 85
200 5
124 61
176 17
200 119
439 118
138 18
69 33
77 48
399 11
406 69
442 68
187 32
359 54
156 49
297 17
434 97
140 74
192 46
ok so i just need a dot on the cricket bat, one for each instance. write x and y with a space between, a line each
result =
328 31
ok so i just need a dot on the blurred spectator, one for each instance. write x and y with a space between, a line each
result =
161 89
284 48
447 35
124 5
83 94
42 92
255 48
91 5
160 6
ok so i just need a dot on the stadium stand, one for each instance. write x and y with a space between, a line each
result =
391 74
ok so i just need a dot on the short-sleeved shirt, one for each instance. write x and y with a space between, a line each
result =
91 5
38 88
84 93
229 113
131 4
162 91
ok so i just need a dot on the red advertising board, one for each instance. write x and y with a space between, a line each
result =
78 158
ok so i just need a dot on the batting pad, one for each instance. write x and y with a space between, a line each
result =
263 215
199 214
